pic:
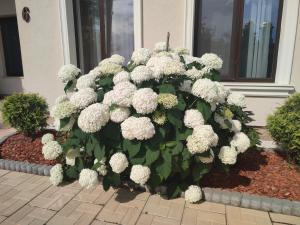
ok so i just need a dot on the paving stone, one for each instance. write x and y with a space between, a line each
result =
246 200
195 217
242 216
296 209
207 193
76 212
158 206
255 202
1 164
29 215
147 219
216 196
207 207
225 197
276 206
287 207
3 172
266 204
56 197
95 195
124 207
280 218
98 222
2 218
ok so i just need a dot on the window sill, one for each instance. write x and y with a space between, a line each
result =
261 89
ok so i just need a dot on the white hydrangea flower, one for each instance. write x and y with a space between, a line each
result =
206 89
88 178
141 73
223 92
56 174
51 150
167 100
71 156
109 98
93 118
207 159
63 110
141 56
61 99
213 106
95 72
228 155
181 51
195 74
190 59
118 59
123 93
212 61
160 47
173 67
202 139
68 72
102 170
193 118
193 194
121 77
119 114
159 118
197 144
157 64
220 120
144 101
140 174
186 86
236 99
86 81
118 162
109 68
83 98
241 142
140 128
236 126
47 138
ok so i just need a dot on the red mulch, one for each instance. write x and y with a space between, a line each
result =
22 148
259 172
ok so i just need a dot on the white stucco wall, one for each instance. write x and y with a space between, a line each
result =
161 16
41 46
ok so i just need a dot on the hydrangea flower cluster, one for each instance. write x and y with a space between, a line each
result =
163 117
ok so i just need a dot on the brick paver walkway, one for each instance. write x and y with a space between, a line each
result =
31 200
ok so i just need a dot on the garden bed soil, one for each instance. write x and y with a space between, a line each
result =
259 172
27 149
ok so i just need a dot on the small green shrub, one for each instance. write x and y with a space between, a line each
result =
25 112
284 126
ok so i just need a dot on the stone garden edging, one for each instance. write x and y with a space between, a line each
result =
232 198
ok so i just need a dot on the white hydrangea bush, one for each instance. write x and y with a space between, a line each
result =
162 119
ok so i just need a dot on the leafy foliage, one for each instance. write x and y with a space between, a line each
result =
284 126
25 112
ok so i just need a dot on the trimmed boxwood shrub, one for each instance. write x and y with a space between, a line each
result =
26 112
284 126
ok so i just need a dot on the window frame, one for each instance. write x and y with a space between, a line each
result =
235 60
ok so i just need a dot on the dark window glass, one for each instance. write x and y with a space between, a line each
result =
103 28
245 34
11 46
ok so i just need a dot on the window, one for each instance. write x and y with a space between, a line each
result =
103 28
11 46
245 33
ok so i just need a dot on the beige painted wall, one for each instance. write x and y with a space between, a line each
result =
41 46
295 77
161 16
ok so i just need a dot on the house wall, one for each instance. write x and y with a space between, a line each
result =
295 77
41 47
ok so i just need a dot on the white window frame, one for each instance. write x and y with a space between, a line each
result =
281 87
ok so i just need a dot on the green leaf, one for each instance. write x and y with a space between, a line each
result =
89 147
174 190
177 148
68 85
99 151
106 81
155 180
72 172
174 117
100 95
132 147
106 183
182 135
181 103
167 88
152 154
199 170
164 169
64 122
205 109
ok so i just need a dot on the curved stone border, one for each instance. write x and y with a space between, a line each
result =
252 201
25 167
